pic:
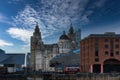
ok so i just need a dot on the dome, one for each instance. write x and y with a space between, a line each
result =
64 36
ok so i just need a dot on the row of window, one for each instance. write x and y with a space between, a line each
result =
116 46
107 40
107 53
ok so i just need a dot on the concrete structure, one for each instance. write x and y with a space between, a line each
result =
100 53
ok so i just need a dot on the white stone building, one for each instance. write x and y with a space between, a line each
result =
42 53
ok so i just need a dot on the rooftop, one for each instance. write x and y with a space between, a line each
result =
67 59
14 58
106 34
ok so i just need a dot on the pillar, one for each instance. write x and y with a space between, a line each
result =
91 68
101 68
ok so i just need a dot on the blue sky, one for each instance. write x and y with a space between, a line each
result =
17 20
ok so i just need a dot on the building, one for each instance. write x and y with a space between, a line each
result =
70 59
69 42
42 53
12 61
64 43
100 53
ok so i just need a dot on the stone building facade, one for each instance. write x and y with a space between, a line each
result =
69 42
100 53
64 43
42 53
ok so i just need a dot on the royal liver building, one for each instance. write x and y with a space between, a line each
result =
42 53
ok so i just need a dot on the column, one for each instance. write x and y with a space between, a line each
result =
101 68
91 68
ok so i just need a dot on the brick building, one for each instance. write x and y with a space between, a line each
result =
100 53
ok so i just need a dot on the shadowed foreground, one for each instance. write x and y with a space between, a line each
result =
61 76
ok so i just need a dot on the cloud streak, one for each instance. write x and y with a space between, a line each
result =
21 34
4 19
5 43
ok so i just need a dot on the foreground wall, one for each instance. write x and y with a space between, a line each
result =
86 76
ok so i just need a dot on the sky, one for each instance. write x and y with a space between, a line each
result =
18 19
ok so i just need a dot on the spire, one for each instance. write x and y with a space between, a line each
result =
64 36
37 30
71 31
64 33
37 27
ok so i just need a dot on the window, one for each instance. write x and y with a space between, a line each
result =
111 54
106 52
117 46
106 40
106 46
96 47
96 53
117 40
111 44
117 52
96 60
96 40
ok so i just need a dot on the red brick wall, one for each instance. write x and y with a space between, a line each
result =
87 54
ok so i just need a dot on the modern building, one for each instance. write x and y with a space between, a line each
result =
42 53
70 59
100 53
12 61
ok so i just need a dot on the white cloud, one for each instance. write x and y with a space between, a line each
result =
52 16
5 43
14 1
5 19
2 18
20 34
26 18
